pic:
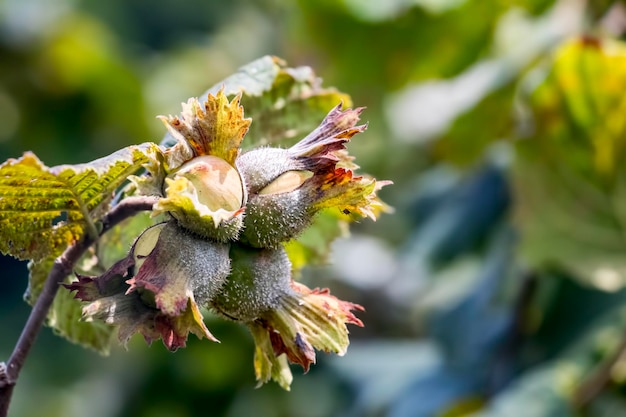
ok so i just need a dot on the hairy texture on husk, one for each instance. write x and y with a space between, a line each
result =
180 265
261 166
229 216
276 213
154 290
271 220
258 279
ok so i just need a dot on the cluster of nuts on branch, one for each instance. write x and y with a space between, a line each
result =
230 215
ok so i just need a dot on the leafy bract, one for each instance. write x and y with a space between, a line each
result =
114 244
65 318
214 126
109 248
570 189
43 210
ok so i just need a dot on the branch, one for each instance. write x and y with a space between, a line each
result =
62 267
593 385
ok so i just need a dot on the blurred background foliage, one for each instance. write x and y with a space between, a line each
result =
498 288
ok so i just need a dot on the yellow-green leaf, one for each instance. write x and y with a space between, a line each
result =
579 107
43 210
570 186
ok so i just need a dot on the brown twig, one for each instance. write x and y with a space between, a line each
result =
62 267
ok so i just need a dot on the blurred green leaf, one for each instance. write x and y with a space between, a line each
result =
607 404
374 55
377 11
580 107
548 390
313 246
570 192
284 103
570 223
82 65
490 120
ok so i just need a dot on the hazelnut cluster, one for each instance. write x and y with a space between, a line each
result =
229 215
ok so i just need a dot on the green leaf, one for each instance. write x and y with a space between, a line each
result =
312 247
380 11
580 107
65 317
43 210
570 223
492 119
115 244
254 78
373 56
284 103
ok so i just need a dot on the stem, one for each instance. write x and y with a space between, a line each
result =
599 379
63 266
